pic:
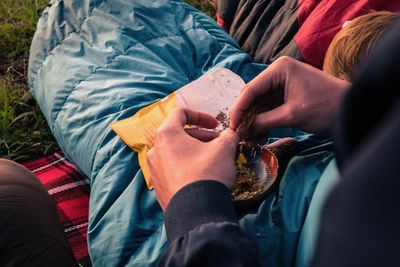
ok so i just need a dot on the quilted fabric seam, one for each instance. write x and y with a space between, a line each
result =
80 28
119 146
84 79
194 14
105 67
203 27
72 88
90 13
62 41
100 143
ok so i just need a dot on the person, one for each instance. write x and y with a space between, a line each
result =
354 42
31 234
132 53
360 220
299 29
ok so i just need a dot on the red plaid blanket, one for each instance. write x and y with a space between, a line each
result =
70 191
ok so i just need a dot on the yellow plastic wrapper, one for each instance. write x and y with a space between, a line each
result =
213 93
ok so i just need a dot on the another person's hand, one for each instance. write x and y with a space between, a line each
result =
178 159
294 95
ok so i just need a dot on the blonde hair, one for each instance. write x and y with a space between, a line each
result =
354 42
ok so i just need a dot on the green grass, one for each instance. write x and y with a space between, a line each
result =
24 134
204 5
23 129
18 20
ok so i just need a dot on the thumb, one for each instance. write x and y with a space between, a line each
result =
228 138
275 118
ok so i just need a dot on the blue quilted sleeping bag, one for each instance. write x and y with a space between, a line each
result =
94 62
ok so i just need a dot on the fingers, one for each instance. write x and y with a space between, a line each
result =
242 104
172 129
255 140
256 88
259 89
263 122
275 118
228 139
202 135
182 116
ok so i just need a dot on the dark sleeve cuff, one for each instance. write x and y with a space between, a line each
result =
196 204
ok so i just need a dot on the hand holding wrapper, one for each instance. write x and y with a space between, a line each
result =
212 93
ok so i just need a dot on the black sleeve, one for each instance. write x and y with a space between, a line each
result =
202 229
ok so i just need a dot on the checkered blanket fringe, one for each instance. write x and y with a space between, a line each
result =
70 191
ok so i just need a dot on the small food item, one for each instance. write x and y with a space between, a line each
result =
249 117
241 159
248 184
223 119
247 122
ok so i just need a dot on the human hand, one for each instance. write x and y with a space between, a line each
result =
178 159
294 94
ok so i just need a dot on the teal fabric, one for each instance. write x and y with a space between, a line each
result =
94 62
309 233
